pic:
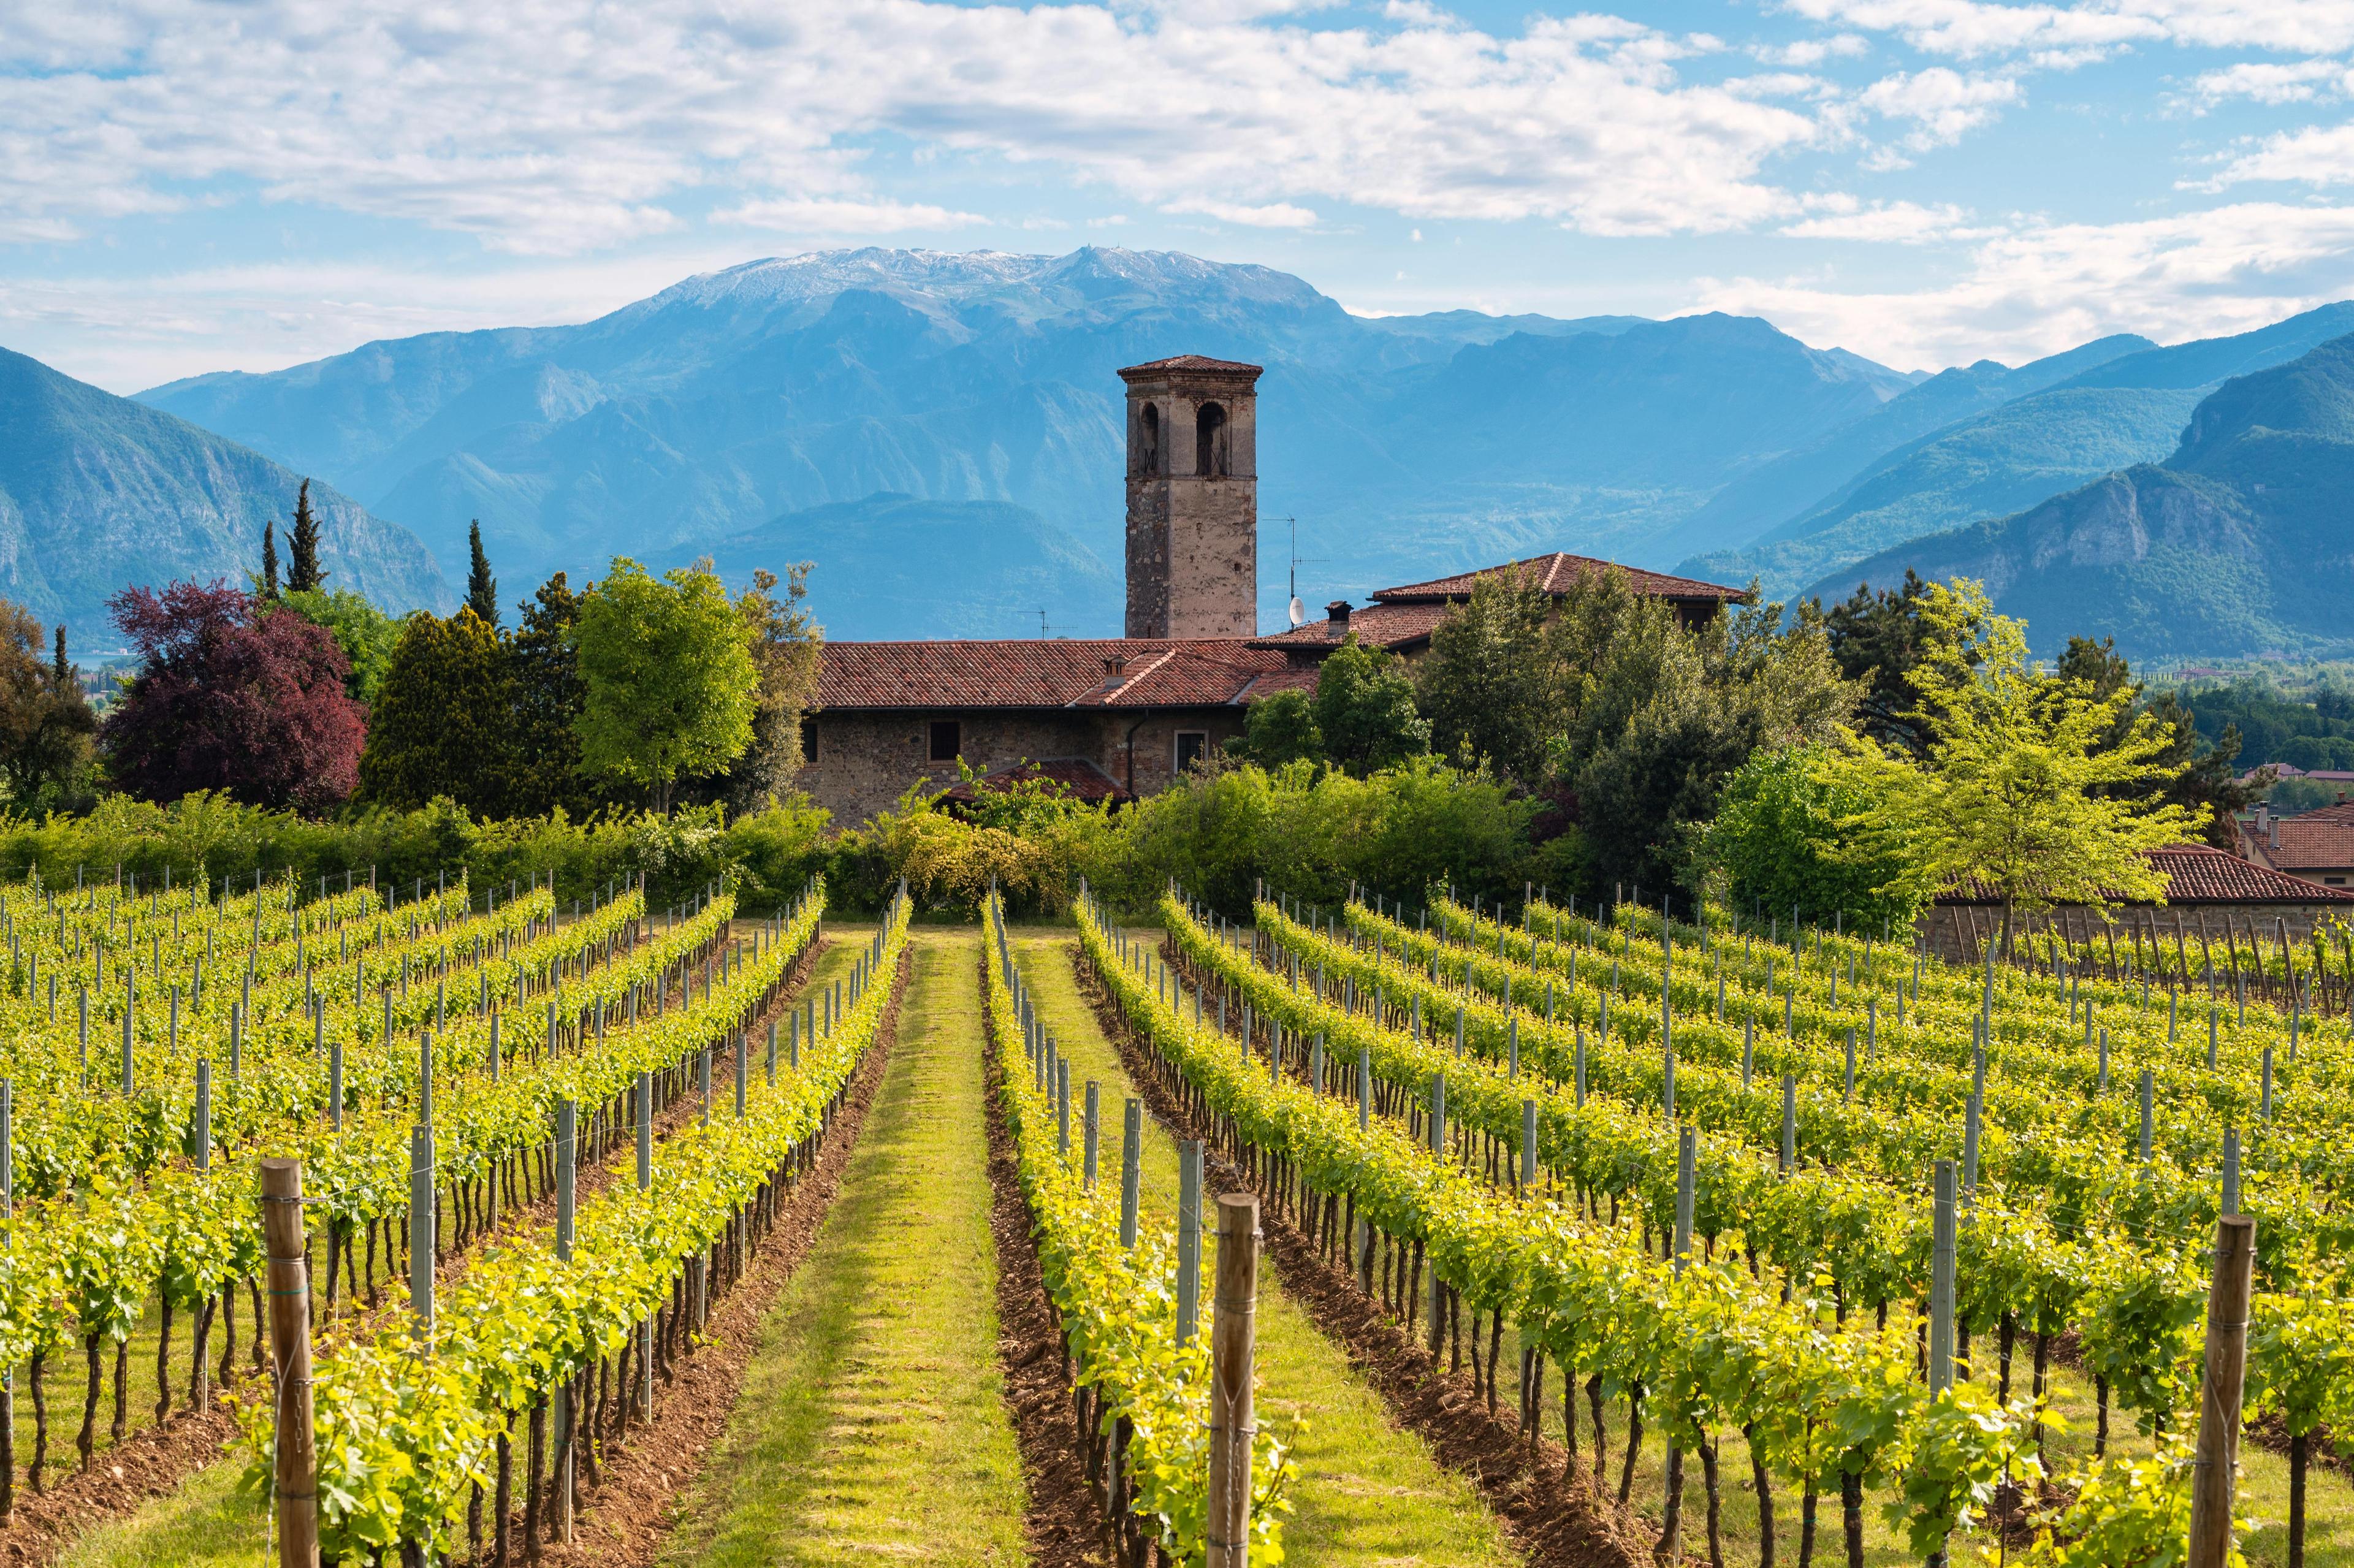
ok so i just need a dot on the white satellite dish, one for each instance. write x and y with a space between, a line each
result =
1298 611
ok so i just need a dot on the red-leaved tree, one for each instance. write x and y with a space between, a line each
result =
230 698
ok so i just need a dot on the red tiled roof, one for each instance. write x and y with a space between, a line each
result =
2315 839
2201 873
1052 672
1077 777
1376 626
1556 573
1198 361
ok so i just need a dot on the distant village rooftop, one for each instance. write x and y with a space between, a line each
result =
1402 619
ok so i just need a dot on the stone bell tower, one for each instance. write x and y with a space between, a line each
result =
1193 498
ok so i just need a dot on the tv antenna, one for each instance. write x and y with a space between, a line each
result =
1043 631
1298 613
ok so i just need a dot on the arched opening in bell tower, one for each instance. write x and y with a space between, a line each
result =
1148 440
1209 443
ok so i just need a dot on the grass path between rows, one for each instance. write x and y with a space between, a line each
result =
872 1422
1366 1492
203 1523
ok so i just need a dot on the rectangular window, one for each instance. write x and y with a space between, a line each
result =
809 742
948 740
1193 744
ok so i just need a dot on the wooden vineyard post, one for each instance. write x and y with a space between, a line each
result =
567 1176
289 1341
1233 1425
2215 1471
645 1182
1189 1238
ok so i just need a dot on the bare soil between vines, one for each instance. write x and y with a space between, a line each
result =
1064 1525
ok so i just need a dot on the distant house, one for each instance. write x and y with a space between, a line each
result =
1113 718
1401 620
2219 909
2317 844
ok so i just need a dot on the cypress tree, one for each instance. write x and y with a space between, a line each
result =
302 574
481 588
59 671
270 560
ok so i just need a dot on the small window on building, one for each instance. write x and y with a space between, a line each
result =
1193 744
809 740
948 740
2335 881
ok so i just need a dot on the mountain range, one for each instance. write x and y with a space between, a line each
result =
99 491
939 434
2237 541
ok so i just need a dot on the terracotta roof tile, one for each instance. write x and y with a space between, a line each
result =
1376 626
2316 839
1555 572
1052 672
1201 361
2201 873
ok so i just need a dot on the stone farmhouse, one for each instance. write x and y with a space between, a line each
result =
1116 718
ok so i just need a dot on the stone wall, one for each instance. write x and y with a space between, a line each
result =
864 760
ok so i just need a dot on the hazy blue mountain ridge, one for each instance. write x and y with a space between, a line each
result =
1404 446
2123 411
99 491
2236 544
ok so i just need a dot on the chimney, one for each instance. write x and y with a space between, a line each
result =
2276 833
1336 619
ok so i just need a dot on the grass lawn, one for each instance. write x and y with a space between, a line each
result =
1366 1492
872 1422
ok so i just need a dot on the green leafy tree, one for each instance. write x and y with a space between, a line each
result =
366 634
1776 839
2029 787
45 723
440 723
1877 640
1660 714
2192 774
268 586
786 642
1278 730
481 588
303 573
1364 710
1492 684
547 693
671 687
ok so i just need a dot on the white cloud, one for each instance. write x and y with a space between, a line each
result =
566 125
1272 214
1942 105
1895 222
2317 155
2068 35
2037 289
2268 81
832 216
1813 51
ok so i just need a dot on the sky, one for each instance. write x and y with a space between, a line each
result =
189 185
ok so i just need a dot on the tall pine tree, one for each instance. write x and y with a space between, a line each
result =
481 588
302 574
270 560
